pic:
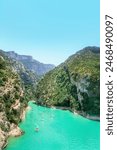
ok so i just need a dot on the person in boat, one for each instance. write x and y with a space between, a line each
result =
37 129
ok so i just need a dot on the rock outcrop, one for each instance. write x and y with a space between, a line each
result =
30 63
74 84
13 100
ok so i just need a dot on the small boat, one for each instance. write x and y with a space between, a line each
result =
36 129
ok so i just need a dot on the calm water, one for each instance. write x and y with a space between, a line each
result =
58 130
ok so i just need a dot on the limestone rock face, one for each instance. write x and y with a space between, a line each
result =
4 127
13 100
74 83
30 63
15 131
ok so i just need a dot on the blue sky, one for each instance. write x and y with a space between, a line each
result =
49 30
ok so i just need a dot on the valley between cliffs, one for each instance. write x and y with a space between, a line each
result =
74 85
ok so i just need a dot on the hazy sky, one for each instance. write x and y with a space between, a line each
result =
49 30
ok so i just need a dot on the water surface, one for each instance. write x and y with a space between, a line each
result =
58 130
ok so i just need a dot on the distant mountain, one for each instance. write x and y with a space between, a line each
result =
28 77
30 63
19 76
74 84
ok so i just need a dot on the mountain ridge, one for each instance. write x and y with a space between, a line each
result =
74 83
30 63
17 87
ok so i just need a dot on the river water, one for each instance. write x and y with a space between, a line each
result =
58 130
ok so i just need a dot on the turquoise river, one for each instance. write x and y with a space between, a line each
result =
58 130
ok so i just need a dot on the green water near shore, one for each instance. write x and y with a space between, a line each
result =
58 130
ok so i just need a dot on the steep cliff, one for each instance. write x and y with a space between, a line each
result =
74 84
30 63
13 100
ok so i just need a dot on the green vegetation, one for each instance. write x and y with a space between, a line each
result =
14 92
74 83
17 87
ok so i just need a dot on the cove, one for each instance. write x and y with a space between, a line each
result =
58 130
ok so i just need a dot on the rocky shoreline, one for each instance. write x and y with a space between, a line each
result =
95 118
14 131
